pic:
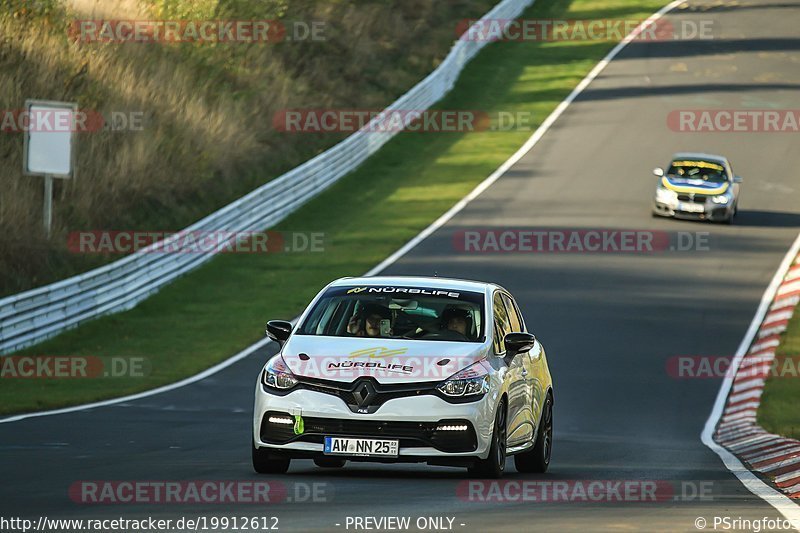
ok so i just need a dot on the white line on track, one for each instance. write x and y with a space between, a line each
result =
779 501
529 144
172 386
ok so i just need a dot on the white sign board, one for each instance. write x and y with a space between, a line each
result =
49 144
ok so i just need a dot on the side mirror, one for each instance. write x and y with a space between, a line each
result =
737 179
658 171
279 330
518 343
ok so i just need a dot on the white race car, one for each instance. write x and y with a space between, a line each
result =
697 187
405 369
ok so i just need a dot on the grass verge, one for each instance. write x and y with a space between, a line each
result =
221 308
192 121
779 412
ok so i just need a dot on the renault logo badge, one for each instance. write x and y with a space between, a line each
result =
364 393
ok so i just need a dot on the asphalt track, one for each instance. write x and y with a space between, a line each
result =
609 322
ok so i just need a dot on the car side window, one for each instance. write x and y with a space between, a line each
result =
513 314
502 324
498 340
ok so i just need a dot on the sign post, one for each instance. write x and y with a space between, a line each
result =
48 204
49 146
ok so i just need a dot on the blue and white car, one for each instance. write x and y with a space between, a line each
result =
405 369
697 186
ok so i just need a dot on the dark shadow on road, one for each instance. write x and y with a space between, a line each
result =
717 8
704 47
674 90
767 219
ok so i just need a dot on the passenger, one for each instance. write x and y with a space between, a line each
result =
368 322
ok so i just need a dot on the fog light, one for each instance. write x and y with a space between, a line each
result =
281 420
666 196
459 427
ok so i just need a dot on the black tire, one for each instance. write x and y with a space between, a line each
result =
537 459
264 463
495 464
330 462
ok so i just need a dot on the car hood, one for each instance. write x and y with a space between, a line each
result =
693 186
387 360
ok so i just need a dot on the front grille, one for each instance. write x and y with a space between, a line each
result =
697 199
358 400
410 434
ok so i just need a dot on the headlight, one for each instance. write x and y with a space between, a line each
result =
666 196
277 375
471 381
721 199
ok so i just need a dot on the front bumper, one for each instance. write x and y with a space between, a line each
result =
412 420
712 212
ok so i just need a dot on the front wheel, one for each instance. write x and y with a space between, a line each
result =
495 464
264 463
538 458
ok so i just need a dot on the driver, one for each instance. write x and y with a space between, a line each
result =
457 320
368 322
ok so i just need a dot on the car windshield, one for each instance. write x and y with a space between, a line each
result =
428 313
698 169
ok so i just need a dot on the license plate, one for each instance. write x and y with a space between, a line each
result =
691 208
361 447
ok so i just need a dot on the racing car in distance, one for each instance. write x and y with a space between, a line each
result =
697 187
405 369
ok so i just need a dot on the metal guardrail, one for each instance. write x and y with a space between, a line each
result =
33 316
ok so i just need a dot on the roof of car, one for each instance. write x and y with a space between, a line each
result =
419 281
701 156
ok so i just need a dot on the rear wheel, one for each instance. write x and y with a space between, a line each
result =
494 465
537 459
329 462
264 463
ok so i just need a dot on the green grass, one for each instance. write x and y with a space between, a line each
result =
779 412
206 134
221 308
